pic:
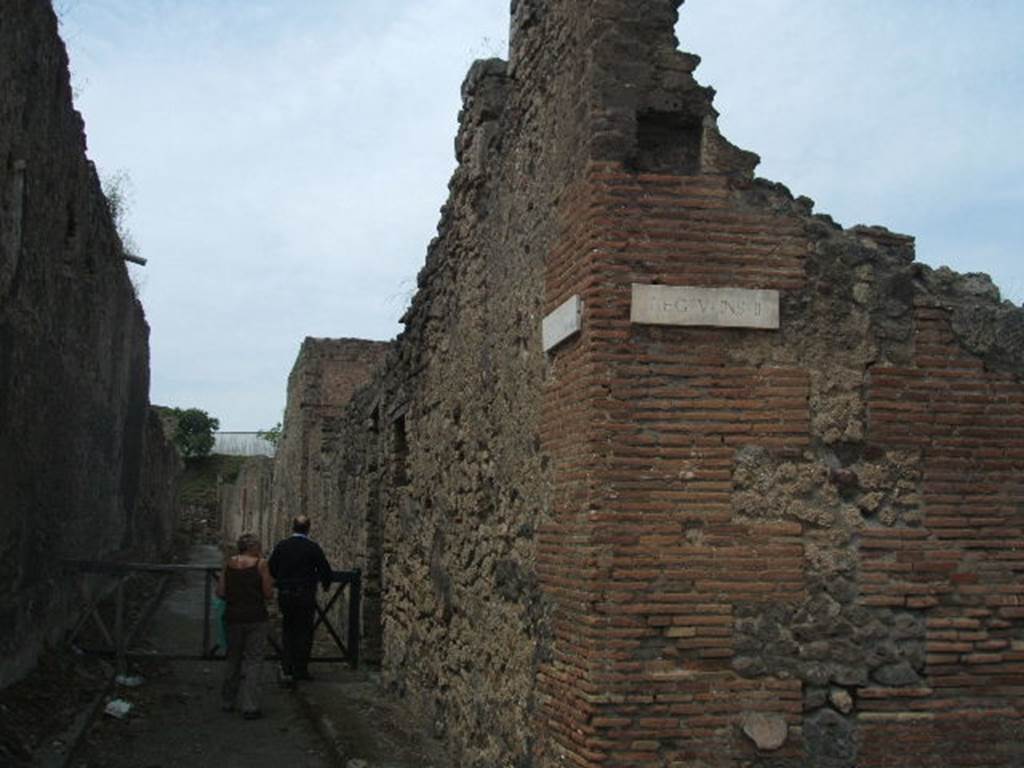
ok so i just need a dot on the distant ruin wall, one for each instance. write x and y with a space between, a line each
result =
154 519
268 493
325 374
245 504
84 469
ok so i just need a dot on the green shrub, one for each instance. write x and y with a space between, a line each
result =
193 434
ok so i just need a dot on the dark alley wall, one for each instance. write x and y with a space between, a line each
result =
84 469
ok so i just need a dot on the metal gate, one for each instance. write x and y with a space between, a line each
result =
102 586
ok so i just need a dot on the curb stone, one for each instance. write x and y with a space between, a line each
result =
328 731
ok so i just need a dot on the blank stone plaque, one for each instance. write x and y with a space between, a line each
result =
562 323
718 307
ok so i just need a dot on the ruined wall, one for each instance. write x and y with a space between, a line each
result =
76 444
806 532
325 374
660 545
246 504
441 478
152 523
268 493
791 547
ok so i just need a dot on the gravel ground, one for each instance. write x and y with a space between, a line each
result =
175 717
343 718
35 712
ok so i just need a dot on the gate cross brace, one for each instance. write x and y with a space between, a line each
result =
323 619
92 604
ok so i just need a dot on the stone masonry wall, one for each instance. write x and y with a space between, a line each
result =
325 374
664 545
268 493
813 528
152 524
84 469
441 481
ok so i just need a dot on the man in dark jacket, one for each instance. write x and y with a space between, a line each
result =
297 564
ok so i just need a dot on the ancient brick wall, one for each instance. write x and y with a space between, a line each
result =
725 481
325 374
84 471
664 545
268 493
441 481
806 532
955 562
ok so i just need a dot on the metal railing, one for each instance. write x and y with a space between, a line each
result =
242 444
120 640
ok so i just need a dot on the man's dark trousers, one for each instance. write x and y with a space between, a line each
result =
298 614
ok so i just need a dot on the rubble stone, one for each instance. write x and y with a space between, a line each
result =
768 732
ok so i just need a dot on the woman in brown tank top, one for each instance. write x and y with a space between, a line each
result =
246 585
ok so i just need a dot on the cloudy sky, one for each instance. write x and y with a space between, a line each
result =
288 159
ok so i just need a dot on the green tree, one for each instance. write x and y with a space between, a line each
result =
194 433
272 435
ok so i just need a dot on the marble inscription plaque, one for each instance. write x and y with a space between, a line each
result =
719 307
562 323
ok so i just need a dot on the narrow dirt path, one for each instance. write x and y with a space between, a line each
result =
176 719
